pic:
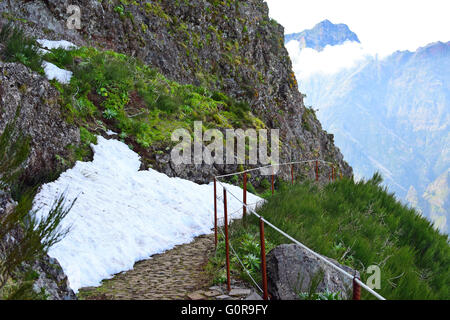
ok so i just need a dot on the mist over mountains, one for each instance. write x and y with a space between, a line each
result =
389 115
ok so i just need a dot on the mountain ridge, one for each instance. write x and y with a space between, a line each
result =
322 34
390 115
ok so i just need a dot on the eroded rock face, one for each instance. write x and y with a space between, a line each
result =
35 102
32 102
290 269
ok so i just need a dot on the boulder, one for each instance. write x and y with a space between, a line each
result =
291 271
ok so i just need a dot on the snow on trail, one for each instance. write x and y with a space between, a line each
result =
123 215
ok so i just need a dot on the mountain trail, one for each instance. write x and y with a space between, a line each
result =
171 275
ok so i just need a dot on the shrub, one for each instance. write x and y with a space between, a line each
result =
167 104
60 57
19 48
36 235
143 103
12 155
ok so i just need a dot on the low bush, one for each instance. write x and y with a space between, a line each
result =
133 98
17 47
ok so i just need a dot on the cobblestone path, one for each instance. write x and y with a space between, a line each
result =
171 275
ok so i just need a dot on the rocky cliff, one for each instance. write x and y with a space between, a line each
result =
228 45
34 101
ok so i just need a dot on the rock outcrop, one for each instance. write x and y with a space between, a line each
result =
52 280
32 102
291 270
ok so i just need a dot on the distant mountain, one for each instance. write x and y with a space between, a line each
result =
393 116
323 34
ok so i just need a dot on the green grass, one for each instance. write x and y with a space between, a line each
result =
135 100
361 224
19 48
113 91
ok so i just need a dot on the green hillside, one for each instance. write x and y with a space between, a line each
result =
361 224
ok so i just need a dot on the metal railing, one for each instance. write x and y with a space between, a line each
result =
357 283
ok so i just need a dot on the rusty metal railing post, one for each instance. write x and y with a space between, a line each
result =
263 259
215 214
356 290
227 245
292 174
244 208
317 170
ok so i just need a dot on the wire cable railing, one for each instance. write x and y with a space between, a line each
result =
357 283
243 265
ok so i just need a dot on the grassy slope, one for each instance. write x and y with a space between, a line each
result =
361 224
111 90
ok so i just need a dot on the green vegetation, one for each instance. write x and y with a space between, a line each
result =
12 155
127 96
312 293
247 247
305 118
36 236
19 48
361 224
113 91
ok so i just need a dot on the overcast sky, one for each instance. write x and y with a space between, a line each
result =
383 26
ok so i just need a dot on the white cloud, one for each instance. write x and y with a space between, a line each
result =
331 59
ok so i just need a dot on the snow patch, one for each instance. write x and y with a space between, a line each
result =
53 72
52 44
123 215
111 133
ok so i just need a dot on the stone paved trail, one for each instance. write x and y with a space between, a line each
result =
171 275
